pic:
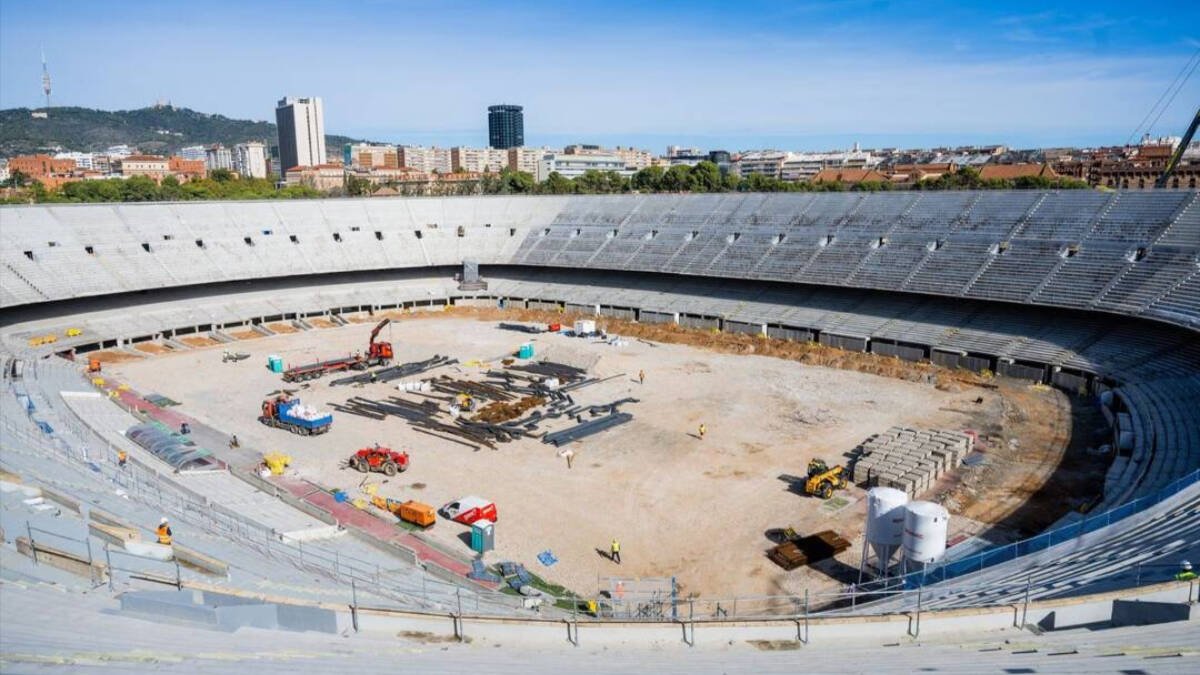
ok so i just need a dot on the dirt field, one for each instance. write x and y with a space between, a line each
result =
684 507
198 341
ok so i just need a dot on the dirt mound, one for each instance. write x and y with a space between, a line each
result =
503 411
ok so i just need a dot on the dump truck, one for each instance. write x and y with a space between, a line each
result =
469 509
381 459
379 353
283 412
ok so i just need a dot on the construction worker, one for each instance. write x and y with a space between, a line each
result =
703 430
1185 572
641 377
233 442
122 458
615 551
164 532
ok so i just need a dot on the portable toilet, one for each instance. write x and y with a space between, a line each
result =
526 351
275 364
483 536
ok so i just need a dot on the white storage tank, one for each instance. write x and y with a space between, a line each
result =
925 528
885 523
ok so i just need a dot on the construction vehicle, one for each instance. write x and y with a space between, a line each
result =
383 460
417 513
470 509
823 479
379 353
284 412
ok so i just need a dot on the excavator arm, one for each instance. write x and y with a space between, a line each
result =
379 327
1178 154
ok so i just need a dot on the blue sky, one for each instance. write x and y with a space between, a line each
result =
731 74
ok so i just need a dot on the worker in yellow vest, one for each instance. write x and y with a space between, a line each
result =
703 430
122 458
615 551
164 532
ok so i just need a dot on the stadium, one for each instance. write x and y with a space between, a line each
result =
703 348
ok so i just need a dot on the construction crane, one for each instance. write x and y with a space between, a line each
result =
1178 154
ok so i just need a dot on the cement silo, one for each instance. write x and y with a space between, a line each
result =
885 527
925 528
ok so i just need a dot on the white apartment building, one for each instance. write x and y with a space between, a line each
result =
573 166
250 159
301 123
425 159
479 160
525 159
83 160
218 157
766 162
193 152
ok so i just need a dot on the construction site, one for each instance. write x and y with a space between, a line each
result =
695 450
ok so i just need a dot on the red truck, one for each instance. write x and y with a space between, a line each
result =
379 353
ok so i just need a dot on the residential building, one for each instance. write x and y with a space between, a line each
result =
912 173
635 160
83 160
768 163
525 159
301 124
478 160
186 169
428 160
40 166
102 164
151 166
250 159
322 177
193 152
118 151
51 172
573 166
218 157
368 155
506 126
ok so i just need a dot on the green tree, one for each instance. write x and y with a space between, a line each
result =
648 179
677 179
557 184
139 189
705 177
170 189
17 179
221 175
358 187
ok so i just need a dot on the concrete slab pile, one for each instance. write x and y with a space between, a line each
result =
909 459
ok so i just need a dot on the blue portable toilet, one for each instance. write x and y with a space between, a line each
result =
526 351
275 364
483 536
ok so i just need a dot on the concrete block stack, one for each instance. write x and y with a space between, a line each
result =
909 459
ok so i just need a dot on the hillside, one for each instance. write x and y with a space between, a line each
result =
158 130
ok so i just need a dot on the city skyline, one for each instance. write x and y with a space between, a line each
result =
809 76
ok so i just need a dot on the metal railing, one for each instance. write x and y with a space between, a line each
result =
1009 552
908 593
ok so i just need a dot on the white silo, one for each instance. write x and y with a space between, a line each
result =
885 525
925 528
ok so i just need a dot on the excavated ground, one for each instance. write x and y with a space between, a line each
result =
694 509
